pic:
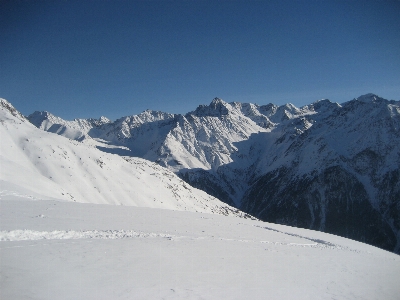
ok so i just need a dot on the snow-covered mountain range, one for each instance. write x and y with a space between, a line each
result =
325 166
41 165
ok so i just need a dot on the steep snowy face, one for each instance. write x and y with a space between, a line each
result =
127 127
208 134
77 129
43 165
253 112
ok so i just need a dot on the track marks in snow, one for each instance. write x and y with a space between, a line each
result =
32 235
7 194
317 243
24 235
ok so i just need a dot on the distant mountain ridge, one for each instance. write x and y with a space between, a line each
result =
325 166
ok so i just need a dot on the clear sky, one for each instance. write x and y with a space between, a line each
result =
80 59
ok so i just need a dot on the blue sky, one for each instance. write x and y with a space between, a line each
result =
80 59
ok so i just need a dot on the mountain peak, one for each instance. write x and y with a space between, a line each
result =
368 101
368 98
217 100
323 104
154 115
104 119
11 109
217 108
219 105
216 103
38 117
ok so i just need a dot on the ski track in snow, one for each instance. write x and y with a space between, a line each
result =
5 193
33 235
317 241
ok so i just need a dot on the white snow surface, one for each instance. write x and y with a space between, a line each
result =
67 250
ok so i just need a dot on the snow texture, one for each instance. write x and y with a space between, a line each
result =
66 250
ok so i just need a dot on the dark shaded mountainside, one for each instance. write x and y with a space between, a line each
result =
324 166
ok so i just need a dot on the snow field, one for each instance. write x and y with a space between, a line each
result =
66 250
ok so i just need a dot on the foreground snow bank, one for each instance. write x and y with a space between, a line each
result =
66 250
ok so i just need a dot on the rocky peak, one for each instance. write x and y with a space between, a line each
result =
37 117
368 98
322 106
220 106
104 119
269 109
217 108
217 100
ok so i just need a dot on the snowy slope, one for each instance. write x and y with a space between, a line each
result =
66 250
47 166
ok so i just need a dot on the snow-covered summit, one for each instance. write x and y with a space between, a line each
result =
145 117
44 120
217 108
370 97
323 106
